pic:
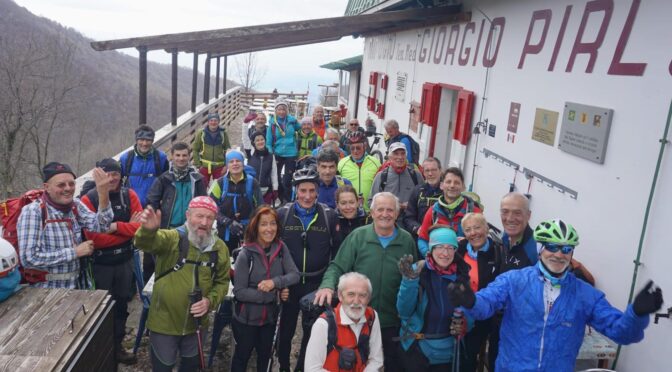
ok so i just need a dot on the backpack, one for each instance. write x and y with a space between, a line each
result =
409 169
332 335
10 210
311 144
226 143
324 213
182 258
470 208
130 156
415 147
249 185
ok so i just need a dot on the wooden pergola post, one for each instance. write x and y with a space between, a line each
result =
217 79
173 89
194 83
206 80
143 86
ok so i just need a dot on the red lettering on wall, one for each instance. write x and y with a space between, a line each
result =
439 49
561 36
423 50
539 15
617 67
463 58
452 44
478 43
497 23
606 6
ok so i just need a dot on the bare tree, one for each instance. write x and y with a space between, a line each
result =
249 72
37 82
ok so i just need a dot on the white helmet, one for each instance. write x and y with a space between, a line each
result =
8 258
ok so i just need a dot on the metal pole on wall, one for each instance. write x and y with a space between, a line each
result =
194 83
206 79
217 79
173 90
143 85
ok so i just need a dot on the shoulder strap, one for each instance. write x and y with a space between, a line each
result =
223 187
383 179
130 155
249 189
339 181
183 251
332 331
157 163
414 175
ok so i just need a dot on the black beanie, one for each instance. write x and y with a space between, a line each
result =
109 165
55 168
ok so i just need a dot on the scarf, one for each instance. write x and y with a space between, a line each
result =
431 264
398 170
180 174
555 281
59 207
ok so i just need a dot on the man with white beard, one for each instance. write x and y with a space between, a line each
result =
355 323
184 297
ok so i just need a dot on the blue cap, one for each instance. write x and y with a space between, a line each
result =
442 235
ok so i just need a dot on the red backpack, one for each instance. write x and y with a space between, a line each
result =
10 210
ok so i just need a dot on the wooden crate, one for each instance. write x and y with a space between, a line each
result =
57 330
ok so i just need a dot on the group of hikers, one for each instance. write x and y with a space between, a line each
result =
391 265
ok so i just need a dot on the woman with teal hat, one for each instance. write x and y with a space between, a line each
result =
428 331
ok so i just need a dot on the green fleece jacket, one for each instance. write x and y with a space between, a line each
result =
362 252
169 309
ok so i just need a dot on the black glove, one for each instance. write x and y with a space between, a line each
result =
648 300
461 295
223 221
236 228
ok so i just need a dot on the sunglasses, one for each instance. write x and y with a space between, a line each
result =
566 249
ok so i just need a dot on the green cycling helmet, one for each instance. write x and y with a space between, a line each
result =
556 231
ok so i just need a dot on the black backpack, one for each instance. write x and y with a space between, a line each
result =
332 335
182 258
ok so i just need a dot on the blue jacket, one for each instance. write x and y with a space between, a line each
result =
326 193
414 311
284 146
143 172
528 343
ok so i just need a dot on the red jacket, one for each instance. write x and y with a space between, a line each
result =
125 230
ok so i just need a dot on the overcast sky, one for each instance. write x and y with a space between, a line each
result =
287 69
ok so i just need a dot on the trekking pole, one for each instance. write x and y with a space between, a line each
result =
275 335
457 314
194 297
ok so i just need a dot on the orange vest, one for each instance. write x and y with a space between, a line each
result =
346 338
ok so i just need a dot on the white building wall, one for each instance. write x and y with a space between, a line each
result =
610 207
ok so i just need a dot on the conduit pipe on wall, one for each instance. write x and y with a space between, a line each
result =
663 141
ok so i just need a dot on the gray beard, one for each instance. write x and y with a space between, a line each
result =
200 242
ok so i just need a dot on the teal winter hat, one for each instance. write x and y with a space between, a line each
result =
442 235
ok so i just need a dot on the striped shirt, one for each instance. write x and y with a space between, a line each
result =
52 247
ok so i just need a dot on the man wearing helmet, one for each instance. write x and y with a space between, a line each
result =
310 231
359 167
542 330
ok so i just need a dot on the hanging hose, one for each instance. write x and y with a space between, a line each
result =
663 141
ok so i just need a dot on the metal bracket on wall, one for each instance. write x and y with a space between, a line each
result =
550 183
487 153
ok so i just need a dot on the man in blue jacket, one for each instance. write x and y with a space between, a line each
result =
546 309
141 165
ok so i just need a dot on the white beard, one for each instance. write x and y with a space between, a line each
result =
353 312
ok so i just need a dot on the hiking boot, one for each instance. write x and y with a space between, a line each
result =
125 357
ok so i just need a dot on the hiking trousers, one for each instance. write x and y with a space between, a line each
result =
290 314
118 280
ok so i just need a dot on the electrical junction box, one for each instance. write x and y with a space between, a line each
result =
585 131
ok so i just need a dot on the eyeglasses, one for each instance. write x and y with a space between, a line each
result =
443 248
566 249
